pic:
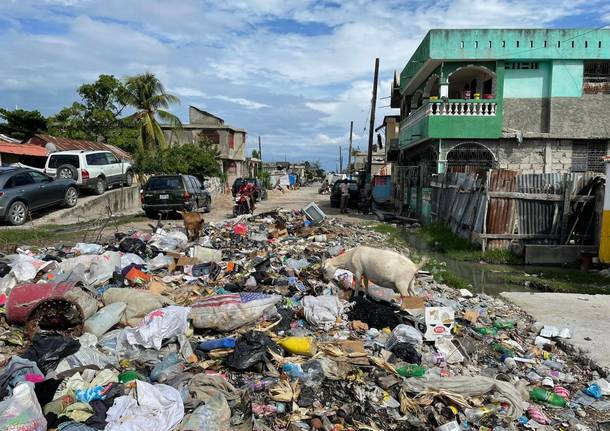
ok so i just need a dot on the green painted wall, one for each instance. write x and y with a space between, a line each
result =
508 44
523 84
567 78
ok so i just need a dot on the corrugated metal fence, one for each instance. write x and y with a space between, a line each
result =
501 207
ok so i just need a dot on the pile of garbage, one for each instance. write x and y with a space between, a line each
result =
239 330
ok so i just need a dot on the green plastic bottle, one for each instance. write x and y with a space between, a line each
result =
541 395
411 371
486 331
503 350
504 324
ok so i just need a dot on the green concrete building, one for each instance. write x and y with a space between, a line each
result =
532 100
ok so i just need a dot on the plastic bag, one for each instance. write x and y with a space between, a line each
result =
322 311
231 311
251 349
169 241
21 412
85 248
131 259
92 269
86 356
160 261
133 245
204 254
158 407
25 268
157 326
404 334
214 415
345 278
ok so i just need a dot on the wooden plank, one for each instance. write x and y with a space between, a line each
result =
565 216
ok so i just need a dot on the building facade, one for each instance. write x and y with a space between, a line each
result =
533 101
230 141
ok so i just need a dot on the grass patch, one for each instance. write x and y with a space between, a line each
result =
396 234
562 281
443 240
23 236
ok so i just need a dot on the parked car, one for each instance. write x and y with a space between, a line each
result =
24 190
174 193
260 192
94 170
354 195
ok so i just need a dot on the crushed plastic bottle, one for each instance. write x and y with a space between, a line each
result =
411 371
541 395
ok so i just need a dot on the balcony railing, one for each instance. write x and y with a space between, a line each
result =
458 107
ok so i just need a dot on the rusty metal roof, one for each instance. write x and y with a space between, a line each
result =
67 144
22 149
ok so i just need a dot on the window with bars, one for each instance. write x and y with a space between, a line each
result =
588 156
517 65
596 78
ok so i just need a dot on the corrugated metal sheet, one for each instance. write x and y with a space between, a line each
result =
501 211
67 144
22 149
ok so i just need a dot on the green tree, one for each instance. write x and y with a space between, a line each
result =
96 116
22 124
255 154
147 96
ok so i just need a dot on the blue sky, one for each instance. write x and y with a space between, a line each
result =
294 72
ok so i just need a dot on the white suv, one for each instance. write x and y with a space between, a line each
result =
95 170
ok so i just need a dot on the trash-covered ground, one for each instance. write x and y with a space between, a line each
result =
239 330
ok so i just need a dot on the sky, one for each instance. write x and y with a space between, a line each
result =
294 72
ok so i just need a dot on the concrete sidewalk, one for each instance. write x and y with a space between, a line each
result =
586 315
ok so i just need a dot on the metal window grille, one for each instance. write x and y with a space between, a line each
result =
588 156
596 78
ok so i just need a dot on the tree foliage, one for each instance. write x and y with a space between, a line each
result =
147 96
96 116
195 159
22 124
255 154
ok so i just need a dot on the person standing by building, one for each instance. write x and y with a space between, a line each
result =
344 187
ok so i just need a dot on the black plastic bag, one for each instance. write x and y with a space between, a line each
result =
251 350
407 353
133 245
48 350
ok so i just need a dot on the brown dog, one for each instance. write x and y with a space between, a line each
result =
193 222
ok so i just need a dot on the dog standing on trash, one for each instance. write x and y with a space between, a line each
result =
193 223
385 267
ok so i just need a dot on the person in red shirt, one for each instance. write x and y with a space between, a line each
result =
247 190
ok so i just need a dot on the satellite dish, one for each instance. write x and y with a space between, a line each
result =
50 146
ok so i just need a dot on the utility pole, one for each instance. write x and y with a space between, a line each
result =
349 155
369 158
340 161
260 152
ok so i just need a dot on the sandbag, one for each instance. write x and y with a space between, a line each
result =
231 311
139 303
322 311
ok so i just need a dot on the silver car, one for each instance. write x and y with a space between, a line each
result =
23 191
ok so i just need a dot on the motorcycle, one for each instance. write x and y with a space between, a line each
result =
241 205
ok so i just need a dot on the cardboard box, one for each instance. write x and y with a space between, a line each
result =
439 322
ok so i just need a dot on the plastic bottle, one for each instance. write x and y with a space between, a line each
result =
305 346
554 365
504 324
474 415
105 318
169 364
503 350
411 371
538 394
486 331
222 343
293 370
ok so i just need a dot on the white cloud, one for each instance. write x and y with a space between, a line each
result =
298 90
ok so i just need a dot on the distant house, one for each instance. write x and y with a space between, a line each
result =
230 141
12 151
53 144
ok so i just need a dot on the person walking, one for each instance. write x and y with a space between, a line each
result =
344 196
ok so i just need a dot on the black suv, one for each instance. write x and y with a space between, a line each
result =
354 194
260 192
174 193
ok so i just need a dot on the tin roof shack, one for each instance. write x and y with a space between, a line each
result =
230 141
12 151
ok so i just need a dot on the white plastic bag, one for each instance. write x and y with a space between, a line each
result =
158 407
21 411
231 311
404 334
322 311
169 241
129 258
160 261
85 248
157 326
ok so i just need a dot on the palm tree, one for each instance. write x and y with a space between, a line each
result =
147 96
